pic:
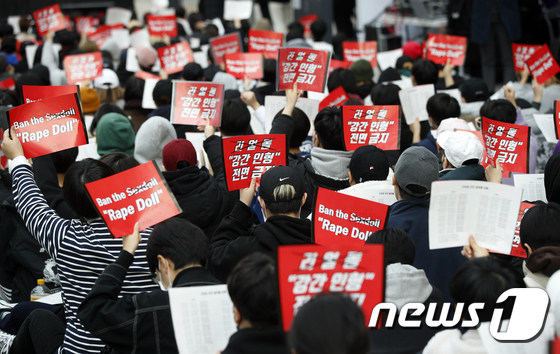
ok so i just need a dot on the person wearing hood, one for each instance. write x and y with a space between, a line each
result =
203 201
228 80
403 284
151 138
363 73
281 196
462 154
114 133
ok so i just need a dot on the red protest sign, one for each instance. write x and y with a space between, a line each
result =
557 119
144 75
522 52
354 51
336 98
441 47
266 42
335 64
160 25
101 35
82 67
174 57
371 125
516 248
307 21
49 19
84 24
542 65
249 156
230 43
139 194
49 125
38 93
305 271
8 84
344 219
195 102
244 64
307 67
68 22
507 143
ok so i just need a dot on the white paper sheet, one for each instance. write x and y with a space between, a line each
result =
237 9
140 37
14 22
116 15
30 51
532 186
455 93
201 58
197 139
147 95
488 211
202 318
377 191
273 104
389 58
545 123
413 102
404 83
132 62
122 37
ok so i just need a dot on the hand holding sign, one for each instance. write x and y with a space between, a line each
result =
11 146
246 194
131 242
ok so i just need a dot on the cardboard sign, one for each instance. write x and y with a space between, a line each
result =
237 9
38 93
49 19
307 21
144 75
117 15
195 102
371 125
266 42
82 67
522 52
160 25
174 57
344 219
336 64
249 156
242 65
307 67
507 143
336 98
557 119
50 125
354 51
101 35
139 194
230 43
8 84
542 65
305 271
84 24
441 47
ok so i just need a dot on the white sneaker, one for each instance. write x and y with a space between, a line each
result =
6 341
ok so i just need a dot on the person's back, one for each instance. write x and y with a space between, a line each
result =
461 156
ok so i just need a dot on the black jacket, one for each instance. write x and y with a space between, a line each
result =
270 340
236 238
203 202
469 172
134 324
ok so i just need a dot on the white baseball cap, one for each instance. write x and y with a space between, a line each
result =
460 146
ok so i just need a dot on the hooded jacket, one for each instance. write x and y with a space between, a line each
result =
270 340
540 265
203 202
469 172
114 133
236 238
552 178
151 138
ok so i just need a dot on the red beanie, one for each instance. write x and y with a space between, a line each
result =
178 150
412 49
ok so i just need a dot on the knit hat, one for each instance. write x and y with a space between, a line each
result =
412 49
176 151
417 166
147 56
114 133
90 100
278 176
228 80
153 135
389 74
460 147
369 163
362 70
474 90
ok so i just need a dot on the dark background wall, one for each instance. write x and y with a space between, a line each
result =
23 7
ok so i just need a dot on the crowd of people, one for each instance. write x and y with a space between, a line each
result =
111 301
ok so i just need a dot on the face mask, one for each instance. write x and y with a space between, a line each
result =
160 283
264 214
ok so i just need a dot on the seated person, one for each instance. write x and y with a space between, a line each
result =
462 154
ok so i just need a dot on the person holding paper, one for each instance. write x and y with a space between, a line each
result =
281 196
141 323
254 293
415 171
81 250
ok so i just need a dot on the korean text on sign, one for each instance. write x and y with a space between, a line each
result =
307 67
522 52
82 67
249 156
371 125
49 19
196 102
174 57
305 271
507 143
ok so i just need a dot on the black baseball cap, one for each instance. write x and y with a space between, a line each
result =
369 163
278 176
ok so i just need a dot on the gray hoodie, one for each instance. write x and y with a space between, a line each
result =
151 138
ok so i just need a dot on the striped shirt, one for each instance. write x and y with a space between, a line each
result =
81 250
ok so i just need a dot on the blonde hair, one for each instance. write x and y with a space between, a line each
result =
284 192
